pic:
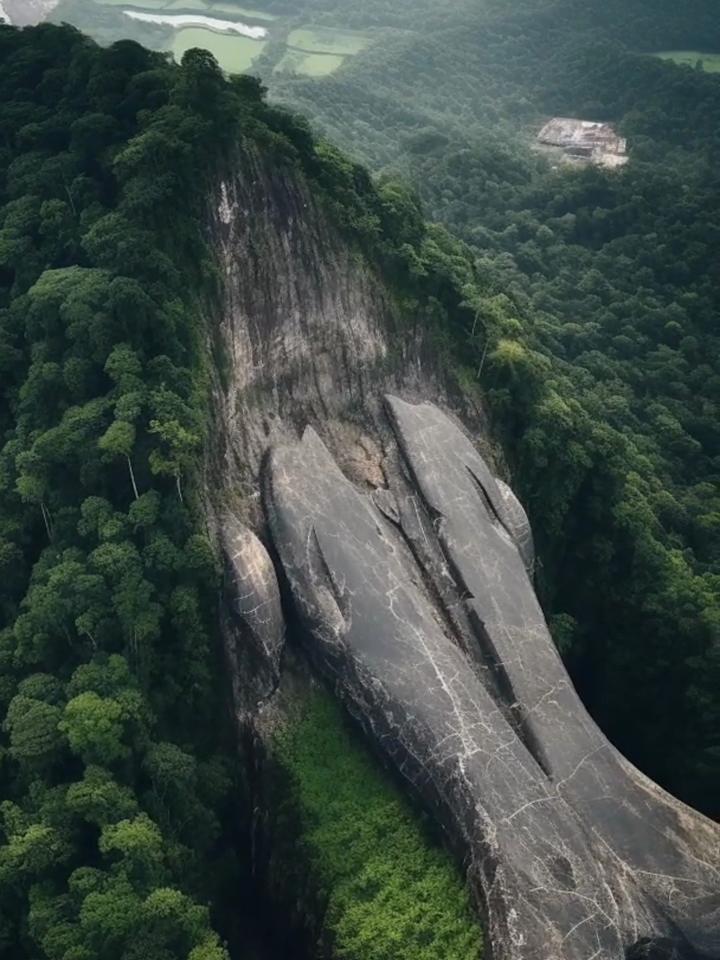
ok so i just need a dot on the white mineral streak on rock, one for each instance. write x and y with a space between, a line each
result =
416 603
572 853
226 209
197 20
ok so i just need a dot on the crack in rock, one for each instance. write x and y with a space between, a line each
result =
573 858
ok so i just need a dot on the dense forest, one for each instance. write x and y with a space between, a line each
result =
594 327
581 305
115 782
123 819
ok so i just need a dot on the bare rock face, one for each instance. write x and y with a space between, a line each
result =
253 622
572 852
518 524
408 567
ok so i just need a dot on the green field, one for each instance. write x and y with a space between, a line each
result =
190 6
234 53
309 64
710 61
325 40
230 8
184 6
151 6
319 51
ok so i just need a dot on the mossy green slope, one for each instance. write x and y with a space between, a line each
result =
388 889
121 794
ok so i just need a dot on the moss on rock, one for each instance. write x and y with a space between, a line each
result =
382 887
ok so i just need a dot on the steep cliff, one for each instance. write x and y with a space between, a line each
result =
348 470
370 555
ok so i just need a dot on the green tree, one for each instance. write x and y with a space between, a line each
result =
33 726
118 441
94 728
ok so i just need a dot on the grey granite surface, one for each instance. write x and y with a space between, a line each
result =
253 624
408 568
416 602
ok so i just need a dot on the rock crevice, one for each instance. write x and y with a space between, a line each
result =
408 565
572 852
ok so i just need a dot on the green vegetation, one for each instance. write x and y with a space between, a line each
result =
594 312
121 797
184 5
317 51
106 22
231 8
693 58
310 51
388 890
583 304
310 64
144 4
118 782
323 40
234 53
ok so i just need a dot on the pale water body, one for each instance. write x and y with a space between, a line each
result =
198 20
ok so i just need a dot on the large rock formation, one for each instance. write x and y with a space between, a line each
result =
408 567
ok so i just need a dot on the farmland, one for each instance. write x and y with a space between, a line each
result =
235 35
326 40
319 51
234 54
309 64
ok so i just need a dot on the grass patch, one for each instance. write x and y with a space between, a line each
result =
241 11
327 40
234 53
290 62
188 5
149 5
320 64
309 64
710 61
359 846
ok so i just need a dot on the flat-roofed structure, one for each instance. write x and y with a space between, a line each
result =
585 141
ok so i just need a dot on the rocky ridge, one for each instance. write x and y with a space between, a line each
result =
350 473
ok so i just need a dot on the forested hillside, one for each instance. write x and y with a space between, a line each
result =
580 305
116 775
124 821
599 348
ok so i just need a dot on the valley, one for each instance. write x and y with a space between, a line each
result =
237 36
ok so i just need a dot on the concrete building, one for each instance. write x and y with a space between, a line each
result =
585 141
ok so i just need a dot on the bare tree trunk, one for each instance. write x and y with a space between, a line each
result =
72 202
132 477
46 519
482 361
179 487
